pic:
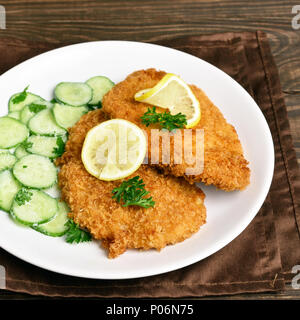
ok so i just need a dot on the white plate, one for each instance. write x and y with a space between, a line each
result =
228 214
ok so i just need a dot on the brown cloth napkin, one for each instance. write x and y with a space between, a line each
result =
262 257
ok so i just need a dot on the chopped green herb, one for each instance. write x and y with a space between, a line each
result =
53 100
26 144
24 167
150 117
165 119
21 96
95 107
75 234
60 149
34 107
23 196
132 193
99 105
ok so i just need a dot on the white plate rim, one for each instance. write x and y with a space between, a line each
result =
187 261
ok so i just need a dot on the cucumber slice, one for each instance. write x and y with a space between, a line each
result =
41 145
7 160
9 187
18 106
73 93
57 226
43 123
14 115
20 152
12 132
35 171
53 191
32 109
100 85
66 116
33 207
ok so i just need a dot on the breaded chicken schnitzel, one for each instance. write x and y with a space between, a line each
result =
179 209
224 162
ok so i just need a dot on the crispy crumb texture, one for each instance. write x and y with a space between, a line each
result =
224 162
179 206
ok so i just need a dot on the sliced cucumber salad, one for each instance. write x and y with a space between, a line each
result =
14 115
9 187
73 93
33 207
7 160
32 109
57 226
35 171
32 136
74 114
100 85
20 151
12 132
43 123
19 100
41 145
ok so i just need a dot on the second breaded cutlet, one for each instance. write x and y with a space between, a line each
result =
224 163
178 213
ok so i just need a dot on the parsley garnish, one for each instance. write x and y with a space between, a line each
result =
53 100
23 196
60 149
21 96
99 105
95 107
132 193
26 144
75 234
166 119
35 108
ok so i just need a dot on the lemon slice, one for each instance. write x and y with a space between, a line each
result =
114 149
173 93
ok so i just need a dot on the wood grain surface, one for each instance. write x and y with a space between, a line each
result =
139 20
74 21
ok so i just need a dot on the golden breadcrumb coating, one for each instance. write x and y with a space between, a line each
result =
224 162
179 209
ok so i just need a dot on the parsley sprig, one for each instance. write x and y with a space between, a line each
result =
35 108
75 234
60 149
95 107
21 96
166 119
23 196
26 144
132 193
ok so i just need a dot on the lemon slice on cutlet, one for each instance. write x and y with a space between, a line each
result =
114 149
172 93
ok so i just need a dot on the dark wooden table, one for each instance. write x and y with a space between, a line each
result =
65 21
